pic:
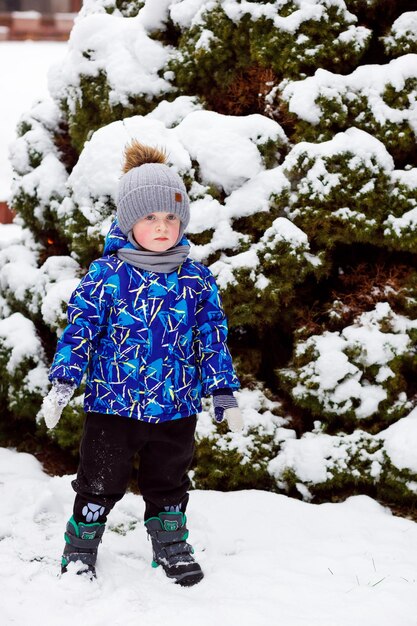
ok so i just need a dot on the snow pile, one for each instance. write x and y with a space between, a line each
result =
400 441
227 148
344 564
172 113
153 13
11 234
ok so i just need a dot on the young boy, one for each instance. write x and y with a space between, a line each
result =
148 323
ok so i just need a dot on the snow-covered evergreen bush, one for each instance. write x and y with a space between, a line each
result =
341 189
294 125
402 36
358 373
263 280
23 366
226 460
319 465
226 41
39 160
379 99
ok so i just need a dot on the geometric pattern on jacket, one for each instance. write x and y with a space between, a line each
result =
152 343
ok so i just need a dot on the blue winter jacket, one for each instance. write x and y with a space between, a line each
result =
152 343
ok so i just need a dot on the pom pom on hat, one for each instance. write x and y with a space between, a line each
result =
136 154
149 185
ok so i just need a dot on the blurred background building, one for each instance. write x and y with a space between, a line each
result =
37 19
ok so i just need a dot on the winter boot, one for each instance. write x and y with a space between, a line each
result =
81 544
168 533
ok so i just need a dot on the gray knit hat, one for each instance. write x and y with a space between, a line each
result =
149 185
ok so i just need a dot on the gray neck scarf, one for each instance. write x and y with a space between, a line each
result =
165 262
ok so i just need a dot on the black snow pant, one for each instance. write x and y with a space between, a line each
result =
108 445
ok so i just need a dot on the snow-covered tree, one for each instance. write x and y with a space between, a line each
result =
293 124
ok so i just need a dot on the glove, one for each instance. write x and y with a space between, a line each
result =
225 406
56 400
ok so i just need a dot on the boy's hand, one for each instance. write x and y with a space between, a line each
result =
55 402
225 406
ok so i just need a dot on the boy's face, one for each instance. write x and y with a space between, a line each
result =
157 231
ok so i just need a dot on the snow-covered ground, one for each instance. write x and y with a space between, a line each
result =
23 77
268 559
